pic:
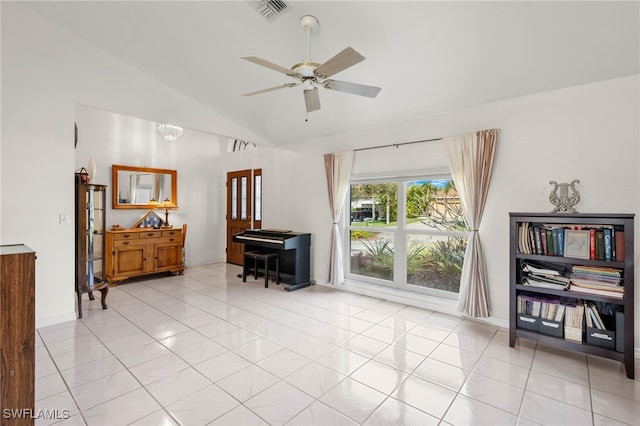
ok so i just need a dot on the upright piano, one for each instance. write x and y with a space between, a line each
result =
293 248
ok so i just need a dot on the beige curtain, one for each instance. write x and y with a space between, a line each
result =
471 161
338 169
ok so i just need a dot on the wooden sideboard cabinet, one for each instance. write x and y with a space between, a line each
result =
17 332
135 252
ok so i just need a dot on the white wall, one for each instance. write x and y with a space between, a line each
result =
46 73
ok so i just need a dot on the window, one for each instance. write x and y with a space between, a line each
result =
410 235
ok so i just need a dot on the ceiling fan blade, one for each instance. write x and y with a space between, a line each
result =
268 64
343 60
312 99
353 88
270 89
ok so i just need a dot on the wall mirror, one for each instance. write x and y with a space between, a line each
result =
142 187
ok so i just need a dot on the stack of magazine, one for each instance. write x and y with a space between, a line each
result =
535 275
598 280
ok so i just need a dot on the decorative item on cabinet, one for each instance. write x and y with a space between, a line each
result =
149 220
564 202
17 331
82 176
90 249
92 168
167 205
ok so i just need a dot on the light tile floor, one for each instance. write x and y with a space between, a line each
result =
205 348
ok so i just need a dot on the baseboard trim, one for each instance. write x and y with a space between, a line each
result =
417 300
45 322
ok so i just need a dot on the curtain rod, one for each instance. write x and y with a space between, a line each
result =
396 145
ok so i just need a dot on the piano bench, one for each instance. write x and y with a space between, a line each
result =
265 257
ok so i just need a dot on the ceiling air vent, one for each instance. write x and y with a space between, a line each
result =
269 9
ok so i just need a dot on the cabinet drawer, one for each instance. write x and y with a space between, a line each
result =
171 233
150 234
168 240
129 243
125 235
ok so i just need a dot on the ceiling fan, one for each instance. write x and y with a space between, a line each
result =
311 75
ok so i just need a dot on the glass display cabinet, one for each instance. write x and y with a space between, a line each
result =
90 230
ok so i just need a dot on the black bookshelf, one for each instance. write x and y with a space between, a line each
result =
618 222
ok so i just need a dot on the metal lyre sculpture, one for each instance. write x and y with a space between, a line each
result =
563 201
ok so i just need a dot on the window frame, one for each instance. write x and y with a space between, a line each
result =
400 233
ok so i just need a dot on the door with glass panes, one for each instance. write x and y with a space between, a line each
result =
244 208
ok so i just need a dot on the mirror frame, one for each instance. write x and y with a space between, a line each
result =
115 191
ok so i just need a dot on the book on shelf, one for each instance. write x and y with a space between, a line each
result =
608 251
543 241
557 247
533 281
597 292
612 244
552 310
551 248
596 280
539 269
531 241
604 242
560 233
536 275
599 245
573 319
527 305
594 317
619 244
521 228
573 315
536 231
597 270
599 280
548 308
559 313
589 319
596 286
535 309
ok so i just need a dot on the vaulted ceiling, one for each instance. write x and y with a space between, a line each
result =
427 56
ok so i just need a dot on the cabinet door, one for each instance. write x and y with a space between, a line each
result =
168 256
130 260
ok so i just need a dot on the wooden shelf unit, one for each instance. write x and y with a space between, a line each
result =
624 222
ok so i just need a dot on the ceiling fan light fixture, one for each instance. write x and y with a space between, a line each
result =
308 84
305 68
